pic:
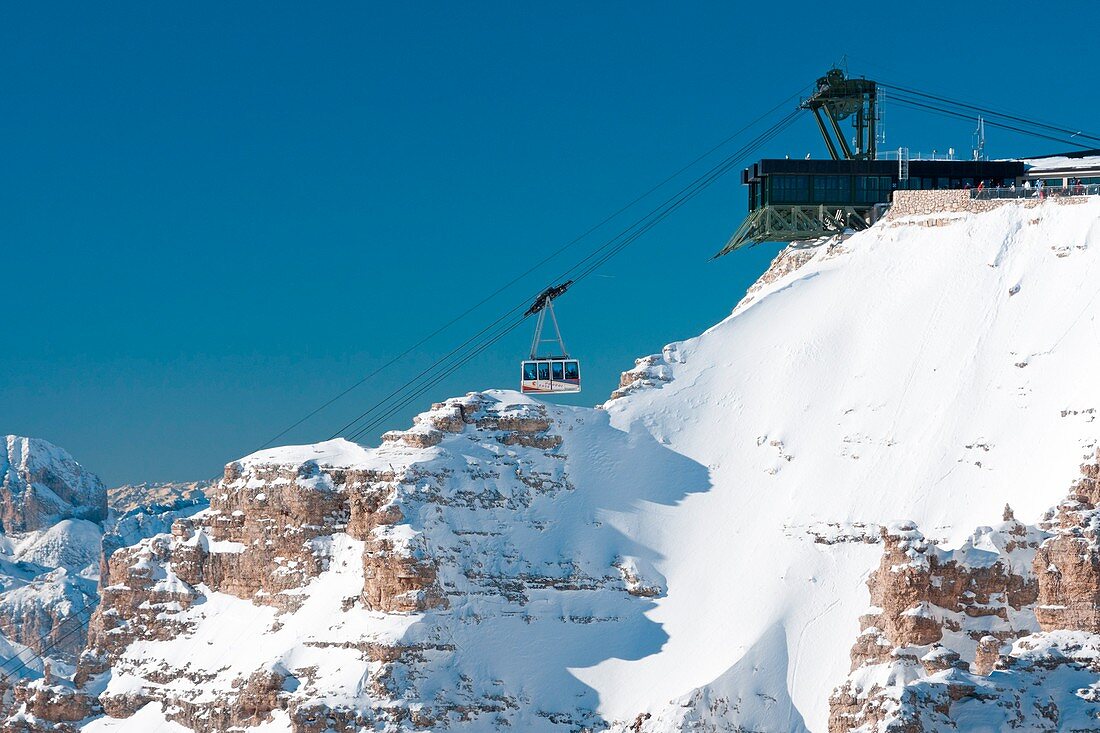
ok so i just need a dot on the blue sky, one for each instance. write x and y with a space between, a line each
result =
216 216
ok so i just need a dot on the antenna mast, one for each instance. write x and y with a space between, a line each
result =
979 140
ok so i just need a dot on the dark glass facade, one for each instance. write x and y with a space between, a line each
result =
865 182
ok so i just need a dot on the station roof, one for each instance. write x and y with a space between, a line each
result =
1077 162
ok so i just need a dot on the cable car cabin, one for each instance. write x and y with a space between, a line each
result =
543 374
550 376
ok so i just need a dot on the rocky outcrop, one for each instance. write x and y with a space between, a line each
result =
258 544
934 611
40 485
138 594
792 258
648 372
923 591
987 632
48 614
1068 564
49 553
364 535
45 705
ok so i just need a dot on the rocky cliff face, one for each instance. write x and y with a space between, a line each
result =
49 552
49 560
40 484
342 581
1068 564
987 635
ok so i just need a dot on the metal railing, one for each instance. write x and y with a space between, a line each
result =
1038 192
919 155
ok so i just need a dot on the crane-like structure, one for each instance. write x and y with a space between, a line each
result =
836 98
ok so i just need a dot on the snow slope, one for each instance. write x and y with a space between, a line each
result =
925 373
693 556
50 553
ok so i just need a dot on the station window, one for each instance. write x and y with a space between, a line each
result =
866 188
832 189
873 189
789 189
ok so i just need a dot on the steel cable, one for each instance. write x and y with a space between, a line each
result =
530 270
628 236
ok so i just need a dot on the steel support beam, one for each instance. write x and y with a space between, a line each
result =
825 135
796 224
839 135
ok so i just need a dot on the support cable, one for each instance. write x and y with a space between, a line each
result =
625 238
535 267
914 104
927 96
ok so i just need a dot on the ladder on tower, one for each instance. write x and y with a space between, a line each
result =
903 164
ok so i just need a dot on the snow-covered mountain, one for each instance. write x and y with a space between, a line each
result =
795 521
41 484
150 496
56 531
49 555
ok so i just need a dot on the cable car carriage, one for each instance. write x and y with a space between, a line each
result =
555 373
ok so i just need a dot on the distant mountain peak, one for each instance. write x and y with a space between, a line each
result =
41 484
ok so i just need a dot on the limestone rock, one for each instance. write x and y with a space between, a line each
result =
41 484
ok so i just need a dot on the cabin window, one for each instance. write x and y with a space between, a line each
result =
530 371
558 373
544 370
572 370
